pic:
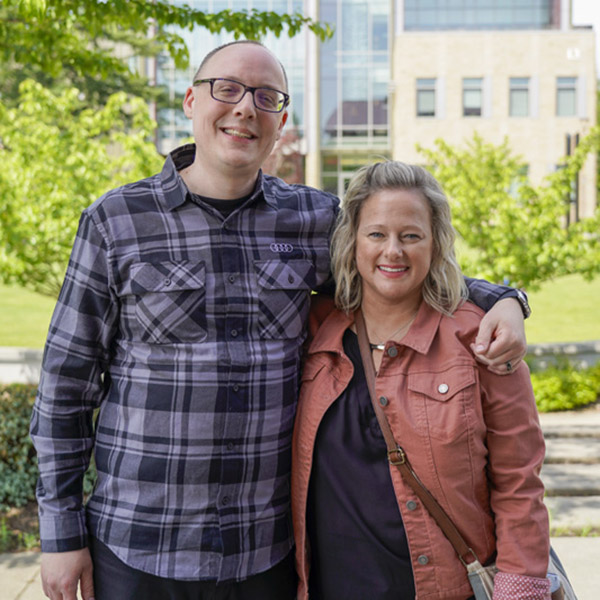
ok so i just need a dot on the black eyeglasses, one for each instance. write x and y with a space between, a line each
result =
232 92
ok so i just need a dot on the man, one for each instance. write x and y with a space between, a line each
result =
182 318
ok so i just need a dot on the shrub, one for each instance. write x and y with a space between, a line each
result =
18 462
563 387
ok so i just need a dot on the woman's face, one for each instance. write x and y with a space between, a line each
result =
394 246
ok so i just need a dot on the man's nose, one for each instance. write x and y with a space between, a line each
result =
246 104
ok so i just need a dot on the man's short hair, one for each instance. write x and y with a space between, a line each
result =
214 51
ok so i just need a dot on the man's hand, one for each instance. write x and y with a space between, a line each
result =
62 572
501 342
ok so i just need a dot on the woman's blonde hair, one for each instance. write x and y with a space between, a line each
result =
444 287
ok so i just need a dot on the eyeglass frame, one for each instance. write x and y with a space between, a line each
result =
247 88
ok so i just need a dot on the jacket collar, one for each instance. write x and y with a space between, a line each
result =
419 338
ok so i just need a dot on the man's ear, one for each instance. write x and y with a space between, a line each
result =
284 119
188 101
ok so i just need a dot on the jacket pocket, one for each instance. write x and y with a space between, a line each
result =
443 399
170 301
283 297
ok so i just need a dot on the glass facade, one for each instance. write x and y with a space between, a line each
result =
430 15
355 73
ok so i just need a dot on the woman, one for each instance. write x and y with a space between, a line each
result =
473 437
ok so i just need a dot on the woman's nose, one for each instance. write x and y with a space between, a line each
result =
394 247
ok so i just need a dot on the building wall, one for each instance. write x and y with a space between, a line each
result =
497 56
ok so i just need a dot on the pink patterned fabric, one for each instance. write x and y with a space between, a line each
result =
508 586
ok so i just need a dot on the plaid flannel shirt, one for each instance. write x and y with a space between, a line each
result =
185 329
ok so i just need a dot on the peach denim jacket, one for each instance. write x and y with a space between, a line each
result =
473 438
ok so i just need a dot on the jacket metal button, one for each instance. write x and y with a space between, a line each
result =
411 505
443 388
383 401
423 560
392 351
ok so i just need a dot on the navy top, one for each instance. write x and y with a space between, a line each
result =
358 544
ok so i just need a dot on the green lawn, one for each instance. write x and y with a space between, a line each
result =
565 310
24 317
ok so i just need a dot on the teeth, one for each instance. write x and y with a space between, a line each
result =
238 133
394 270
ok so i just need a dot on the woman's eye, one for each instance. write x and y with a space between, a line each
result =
375 234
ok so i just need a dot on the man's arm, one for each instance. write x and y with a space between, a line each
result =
71 388
501 342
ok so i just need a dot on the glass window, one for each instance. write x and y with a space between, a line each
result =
480 14
519 97
566 96
472 96
380 31
425 97
355 27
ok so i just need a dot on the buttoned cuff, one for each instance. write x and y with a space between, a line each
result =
508 586
64 533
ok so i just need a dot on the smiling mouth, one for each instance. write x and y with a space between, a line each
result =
392 269
240 134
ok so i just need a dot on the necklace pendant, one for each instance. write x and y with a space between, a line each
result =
377 346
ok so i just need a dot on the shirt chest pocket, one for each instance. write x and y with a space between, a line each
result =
169 301
283 297
443 401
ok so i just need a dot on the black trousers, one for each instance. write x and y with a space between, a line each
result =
114 580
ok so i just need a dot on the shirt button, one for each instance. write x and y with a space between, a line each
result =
231 278
422 560
225 501
411 505
443 388
383 401
167 282
291 278
392 351
236 387
230 446
234 333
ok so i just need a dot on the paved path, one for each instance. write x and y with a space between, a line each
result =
571 472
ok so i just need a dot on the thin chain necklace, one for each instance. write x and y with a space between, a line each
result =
406 325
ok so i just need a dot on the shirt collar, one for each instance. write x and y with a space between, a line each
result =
176 192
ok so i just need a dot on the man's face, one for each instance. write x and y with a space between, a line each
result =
235 139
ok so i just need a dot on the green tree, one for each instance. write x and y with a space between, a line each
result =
511 230
57 157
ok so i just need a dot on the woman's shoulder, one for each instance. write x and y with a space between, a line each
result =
464 323
321 306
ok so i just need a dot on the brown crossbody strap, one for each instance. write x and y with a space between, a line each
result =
397 456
